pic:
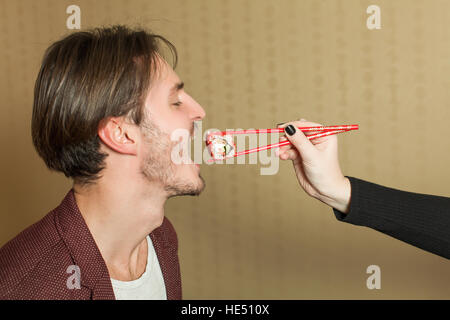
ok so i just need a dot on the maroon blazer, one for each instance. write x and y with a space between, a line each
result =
34 265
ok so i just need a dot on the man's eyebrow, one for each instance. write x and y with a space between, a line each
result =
177 87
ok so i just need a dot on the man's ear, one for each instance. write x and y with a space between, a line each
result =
115 134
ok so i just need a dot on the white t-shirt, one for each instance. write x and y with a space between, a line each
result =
150 285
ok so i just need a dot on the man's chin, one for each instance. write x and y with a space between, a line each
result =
186 189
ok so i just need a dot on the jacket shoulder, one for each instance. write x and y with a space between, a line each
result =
33 260
169 233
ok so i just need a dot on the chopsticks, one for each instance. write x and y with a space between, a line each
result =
279 130
323 132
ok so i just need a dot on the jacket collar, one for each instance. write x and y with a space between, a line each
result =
86 255
83 249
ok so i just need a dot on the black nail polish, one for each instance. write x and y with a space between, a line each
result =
290 129
279 124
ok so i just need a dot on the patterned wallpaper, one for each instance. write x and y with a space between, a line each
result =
253 64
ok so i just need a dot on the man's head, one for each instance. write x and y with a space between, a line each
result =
106 102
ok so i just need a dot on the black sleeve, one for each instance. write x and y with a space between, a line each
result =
418 219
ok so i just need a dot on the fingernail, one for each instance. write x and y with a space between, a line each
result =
290 129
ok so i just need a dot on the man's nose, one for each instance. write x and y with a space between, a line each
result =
196 110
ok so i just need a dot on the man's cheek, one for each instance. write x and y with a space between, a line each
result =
180 146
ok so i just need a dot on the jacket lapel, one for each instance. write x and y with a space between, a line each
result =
84 251
162 247
86 255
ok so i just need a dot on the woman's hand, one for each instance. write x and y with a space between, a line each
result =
316 165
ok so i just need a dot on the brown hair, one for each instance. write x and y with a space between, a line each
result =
84 78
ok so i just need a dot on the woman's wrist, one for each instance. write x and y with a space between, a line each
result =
339 196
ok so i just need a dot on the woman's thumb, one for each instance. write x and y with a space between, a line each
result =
300 142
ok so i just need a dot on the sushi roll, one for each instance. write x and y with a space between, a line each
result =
220 146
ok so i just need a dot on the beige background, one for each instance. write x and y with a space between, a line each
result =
265 62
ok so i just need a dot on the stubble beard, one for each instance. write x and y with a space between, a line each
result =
158 167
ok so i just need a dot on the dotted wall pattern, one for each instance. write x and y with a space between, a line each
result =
253 64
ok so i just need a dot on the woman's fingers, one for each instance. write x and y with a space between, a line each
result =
302 123
286 147
323 139
289 151
305 123
290 154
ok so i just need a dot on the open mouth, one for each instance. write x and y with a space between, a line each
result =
220 146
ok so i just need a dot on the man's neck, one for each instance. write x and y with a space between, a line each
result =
119 217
